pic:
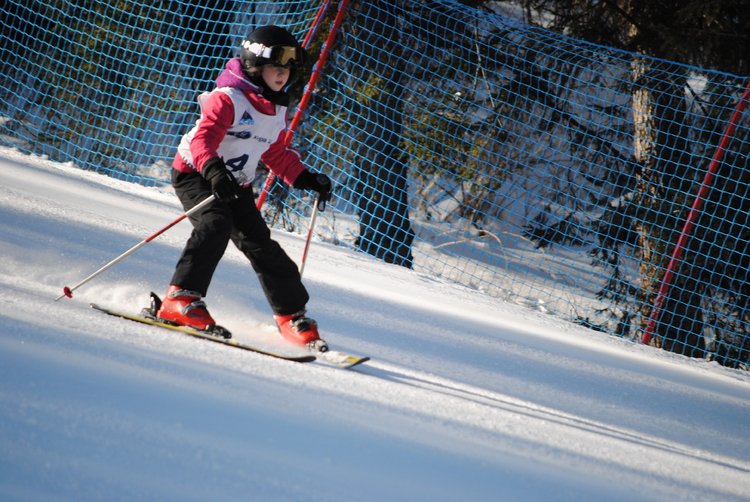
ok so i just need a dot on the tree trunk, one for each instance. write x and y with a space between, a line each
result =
666 208
384 227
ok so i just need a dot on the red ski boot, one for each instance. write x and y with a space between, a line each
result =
185 308
300 330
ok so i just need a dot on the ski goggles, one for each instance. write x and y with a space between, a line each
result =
282 55
278 55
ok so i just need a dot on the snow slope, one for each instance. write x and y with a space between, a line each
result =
466 398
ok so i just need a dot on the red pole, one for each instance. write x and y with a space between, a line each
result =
309 89
693 215
316 22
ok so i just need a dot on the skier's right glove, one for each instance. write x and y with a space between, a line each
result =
223 184
319 182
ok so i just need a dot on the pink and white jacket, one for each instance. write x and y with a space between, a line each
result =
242 127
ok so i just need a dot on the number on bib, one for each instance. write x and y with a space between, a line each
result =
237 163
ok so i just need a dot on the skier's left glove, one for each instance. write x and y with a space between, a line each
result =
319 182
223 184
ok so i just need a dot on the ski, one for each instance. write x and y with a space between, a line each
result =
222 336
321 350
340 359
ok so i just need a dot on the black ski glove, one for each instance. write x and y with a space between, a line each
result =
319 182
223 184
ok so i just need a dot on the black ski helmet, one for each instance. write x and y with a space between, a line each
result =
271 45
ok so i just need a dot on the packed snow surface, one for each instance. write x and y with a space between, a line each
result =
466 397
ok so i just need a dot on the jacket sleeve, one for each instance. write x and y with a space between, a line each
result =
283 161
217 115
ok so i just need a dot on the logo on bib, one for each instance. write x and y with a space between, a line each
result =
247 119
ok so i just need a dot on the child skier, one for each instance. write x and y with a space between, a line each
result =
242 122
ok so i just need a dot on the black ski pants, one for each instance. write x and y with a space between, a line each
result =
240 221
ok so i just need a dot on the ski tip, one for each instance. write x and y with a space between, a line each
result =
342 360
354 361
359 360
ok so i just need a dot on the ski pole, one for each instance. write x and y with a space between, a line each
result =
68 291
309 235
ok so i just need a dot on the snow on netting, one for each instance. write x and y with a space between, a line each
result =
541 169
